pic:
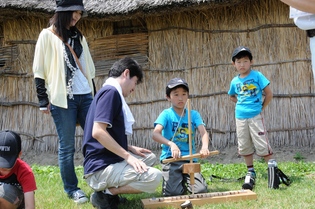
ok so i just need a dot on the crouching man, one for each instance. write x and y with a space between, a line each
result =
111 166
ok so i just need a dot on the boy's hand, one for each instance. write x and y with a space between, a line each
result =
175 151
204 152
233 98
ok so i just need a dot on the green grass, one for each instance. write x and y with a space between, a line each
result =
50 194
299 157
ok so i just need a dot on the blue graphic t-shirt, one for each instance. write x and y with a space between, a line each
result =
249 94
176 129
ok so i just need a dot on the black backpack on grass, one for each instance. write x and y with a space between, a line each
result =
276 176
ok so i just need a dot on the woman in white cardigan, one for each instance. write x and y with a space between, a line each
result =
64 84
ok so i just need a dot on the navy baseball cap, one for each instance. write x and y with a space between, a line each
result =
10 147
241 49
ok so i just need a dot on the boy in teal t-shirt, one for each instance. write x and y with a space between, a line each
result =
171 131
246 90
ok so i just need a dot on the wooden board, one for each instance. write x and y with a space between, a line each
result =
199 199
188 157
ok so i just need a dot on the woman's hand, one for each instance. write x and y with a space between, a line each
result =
47 110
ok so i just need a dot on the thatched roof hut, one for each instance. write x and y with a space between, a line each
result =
171 38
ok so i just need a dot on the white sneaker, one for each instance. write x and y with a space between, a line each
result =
79 197
249 180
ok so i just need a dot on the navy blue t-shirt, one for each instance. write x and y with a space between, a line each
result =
105 108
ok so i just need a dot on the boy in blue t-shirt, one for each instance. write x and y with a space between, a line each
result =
171 131
246 90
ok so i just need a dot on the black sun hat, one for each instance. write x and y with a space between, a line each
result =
70 5
10 147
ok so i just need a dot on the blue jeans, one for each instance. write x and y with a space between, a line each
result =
65 121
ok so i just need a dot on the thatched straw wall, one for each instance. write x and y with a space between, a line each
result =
18 104
195 45
198 45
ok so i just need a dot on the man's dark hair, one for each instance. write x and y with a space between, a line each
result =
242 55
126 63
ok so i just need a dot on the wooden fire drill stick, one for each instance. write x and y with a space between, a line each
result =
196 167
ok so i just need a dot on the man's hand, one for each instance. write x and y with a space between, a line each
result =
138 165
138 150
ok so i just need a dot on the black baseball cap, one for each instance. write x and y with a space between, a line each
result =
176 82
10 147
241 49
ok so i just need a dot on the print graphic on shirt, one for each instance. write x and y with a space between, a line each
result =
182 132
247 89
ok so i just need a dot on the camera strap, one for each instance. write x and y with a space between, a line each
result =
284 178
226 179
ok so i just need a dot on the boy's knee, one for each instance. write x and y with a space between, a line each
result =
6 204
172 192
201 190
11 195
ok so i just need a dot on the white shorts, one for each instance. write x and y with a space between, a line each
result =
252 136
121 174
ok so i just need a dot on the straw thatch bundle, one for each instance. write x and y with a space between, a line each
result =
117 10
194 43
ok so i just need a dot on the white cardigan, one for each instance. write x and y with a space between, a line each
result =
49 65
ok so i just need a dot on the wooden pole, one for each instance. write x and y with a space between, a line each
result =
192 175
189 129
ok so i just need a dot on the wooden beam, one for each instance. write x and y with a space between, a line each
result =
199 199
188 157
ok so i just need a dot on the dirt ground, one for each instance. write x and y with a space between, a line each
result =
227 155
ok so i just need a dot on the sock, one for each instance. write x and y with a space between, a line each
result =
107 192
250 168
